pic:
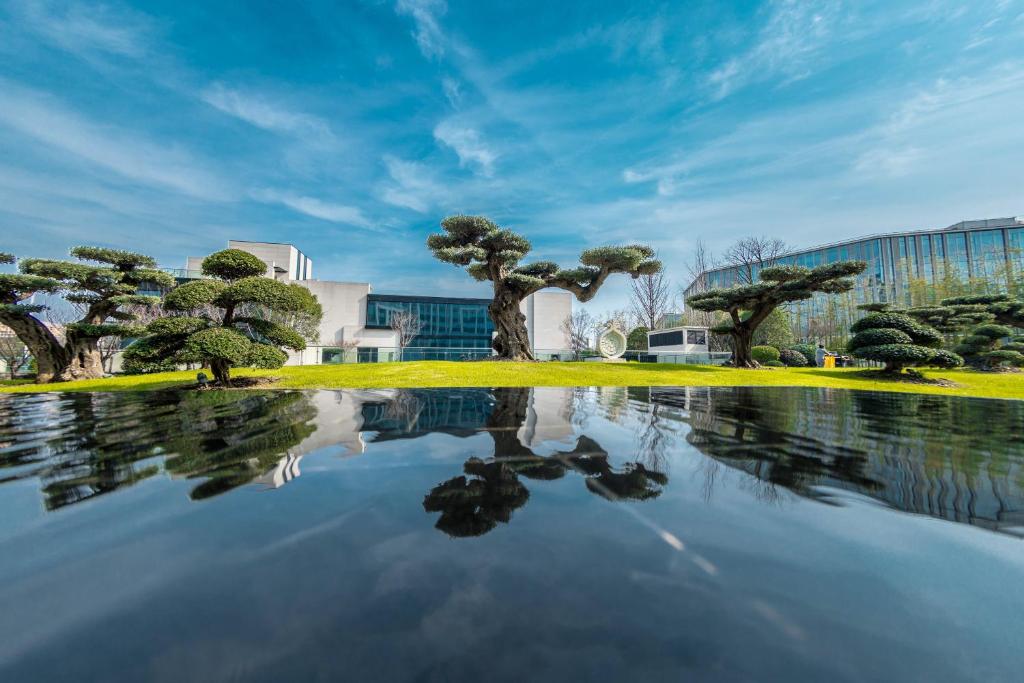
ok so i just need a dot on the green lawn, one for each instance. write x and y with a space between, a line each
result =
495 374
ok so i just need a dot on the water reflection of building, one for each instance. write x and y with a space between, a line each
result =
286 470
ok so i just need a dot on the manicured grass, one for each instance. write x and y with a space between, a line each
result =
495 374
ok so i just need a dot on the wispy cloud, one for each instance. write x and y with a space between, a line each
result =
84 28
123 152
317 208
413 185
262 113
468 145
785 48
425 15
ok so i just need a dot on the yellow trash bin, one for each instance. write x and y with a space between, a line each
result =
830 361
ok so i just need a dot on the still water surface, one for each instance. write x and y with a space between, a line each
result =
657 534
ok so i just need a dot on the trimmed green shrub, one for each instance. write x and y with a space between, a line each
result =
220 343
774 364
806 350
266 356
764 354
233 264
792 358
981 349
899 341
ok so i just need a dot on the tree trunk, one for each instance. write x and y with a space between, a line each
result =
511 340
221 372
742 341
51 357
84 358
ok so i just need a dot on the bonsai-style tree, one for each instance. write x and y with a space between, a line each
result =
229 320
493 254
899 341
102 287
749 305
982 348
960 313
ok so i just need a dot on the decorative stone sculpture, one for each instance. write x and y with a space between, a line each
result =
611 343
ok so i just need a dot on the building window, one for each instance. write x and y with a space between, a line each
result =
696 337
674 338
988 254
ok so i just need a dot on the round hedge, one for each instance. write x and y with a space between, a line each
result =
792 358
193 295
919 334
774 364
991 331
878 337
901 354
266 356
177 326
764 354
233 264
942 358
219 343
1002 356
806 350
279 335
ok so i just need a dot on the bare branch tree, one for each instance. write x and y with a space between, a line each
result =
700 263
13 352
751 253
578 328
406 325
649 298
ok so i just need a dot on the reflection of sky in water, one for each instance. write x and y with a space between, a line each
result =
777 549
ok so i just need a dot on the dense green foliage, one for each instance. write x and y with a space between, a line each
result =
764 354
750 305
806 350
776 330
983 348
637 339
899 341
102 283
241 319
493 254
792 358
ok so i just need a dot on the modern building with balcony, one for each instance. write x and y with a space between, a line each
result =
356 325
990 250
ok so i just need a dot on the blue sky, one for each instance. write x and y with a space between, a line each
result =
351 128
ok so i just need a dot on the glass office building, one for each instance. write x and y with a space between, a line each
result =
462 325
991 250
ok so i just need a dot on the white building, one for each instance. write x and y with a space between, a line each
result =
356 324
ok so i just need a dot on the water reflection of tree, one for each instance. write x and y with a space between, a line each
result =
490 490
759 433
102 443
957 459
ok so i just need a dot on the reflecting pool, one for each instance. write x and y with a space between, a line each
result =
655 534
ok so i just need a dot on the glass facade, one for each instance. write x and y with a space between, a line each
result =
447 323
990 250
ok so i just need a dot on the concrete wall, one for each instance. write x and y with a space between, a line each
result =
281 259
545 311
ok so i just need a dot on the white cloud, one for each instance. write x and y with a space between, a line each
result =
794 34
130 156
310 206
467 145
256 110
452 91
425 15
85 28
414 186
